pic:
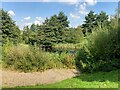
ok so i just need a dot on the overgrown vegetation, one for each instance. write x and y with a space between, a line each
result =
93 46
28 58
101 50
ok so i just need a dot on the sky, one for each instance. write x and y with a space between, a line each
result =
26 13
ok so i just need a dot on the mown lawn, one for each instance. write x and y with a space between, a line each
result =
94 80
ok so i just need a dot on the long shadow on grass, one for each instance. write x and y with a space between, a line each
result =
100 76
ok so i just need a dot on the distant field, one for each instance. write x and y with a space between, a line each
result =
95 80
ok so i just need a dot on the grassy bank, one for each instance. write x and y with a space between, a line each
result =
94 80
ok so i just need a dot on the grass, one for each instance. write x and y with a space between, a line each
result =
94 80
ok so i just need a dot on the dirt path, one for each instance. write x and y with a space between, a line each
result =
12 78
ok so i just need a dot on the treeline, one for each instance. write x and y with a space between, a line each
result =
53 30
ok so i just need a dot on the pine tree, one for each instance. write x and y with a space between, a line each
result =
53 28
63 23
102 20
26 34
8 28
89 22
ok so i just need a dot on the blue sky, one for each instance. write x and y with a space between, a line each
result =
26 13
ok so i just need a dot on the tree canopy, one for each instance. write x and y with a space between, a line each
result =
8 27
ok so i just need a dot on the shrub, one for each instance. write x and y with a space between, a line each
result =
28 58
100 52
67 60
24 58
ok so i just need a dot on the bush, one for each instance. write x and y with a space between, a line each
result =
26 58
67 60
100 52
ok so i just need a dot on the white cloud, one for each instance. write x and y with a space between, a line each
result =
83 12
28 24
83 6
27 18
54 0
91 2
74 16
71 2
39 18
66 1
36 22
11 13
82 9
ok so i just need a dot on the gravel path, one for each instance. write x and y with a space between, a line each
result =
12 78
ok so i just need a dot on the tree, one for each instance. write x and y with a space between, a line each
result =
52 28
63 24
89 22
26 34
93 20
16 35
72 35
8 28
63 20
33 27
102 19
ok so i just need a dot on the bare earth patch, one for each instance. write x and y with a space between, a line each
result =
12 78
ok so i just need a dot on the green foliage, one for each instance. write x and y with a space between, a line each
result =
102 20
53 28
51 31
27 59
24 58
89 22
30 35
66 47
101 51
92 21
67 60
72 35
8 28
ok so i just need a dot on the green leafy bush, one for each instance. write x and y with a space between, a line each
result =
100 52
26 58
67 60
